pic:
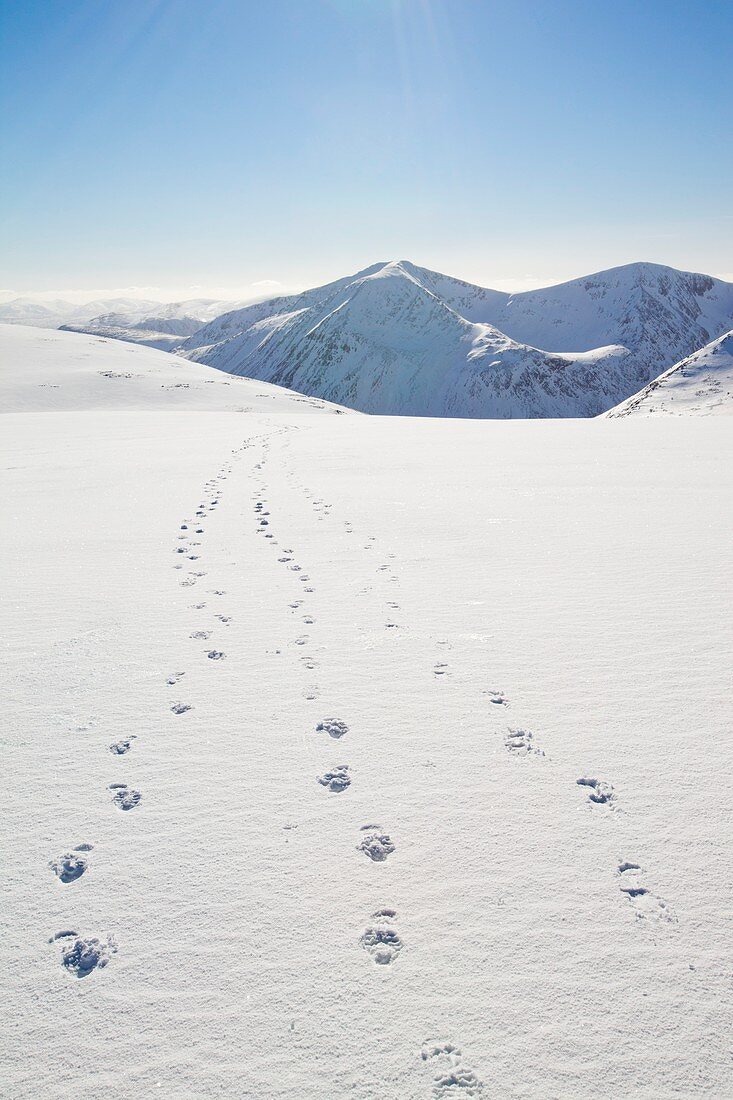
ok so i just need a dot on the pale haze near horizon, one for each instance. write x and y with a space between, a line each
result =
180 150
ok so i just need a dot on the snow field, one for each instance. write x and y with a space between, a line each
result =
515 639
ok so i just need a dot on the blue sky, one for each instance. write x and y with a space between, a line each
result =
203 147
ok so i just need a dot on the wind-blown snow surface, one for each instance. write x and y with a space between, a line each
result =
517 638
701 384
397 338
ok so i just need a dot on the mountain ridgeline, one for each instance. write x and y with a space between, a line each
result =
398 339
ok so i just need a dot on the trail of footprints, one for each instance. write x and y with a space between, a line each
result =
601 797
83 954
380 939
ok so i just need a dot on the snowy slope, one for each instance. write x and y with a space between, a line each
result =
42 370
138 333
180 326
517 636
400 339
155 332
701 384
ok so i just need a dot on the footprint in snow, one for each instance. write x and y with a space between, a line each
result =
520 743
440 669
646 904
124 797
336 780
81 956
452 1078
204 635
376 845
215 655
181 708
119 748
498 698
600 793
71 866
380 941
334 727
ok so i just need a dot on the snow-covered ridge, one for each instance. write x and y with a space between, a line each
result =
701 384
399 339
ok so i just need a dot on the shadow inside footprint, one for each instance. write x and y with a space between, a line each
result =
600 793
337 780
377 846
382 944
69 867
124 797
334 727
81 957
119 748
521 743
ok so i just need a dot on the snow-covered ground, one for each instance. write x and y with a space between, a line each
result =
516 636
